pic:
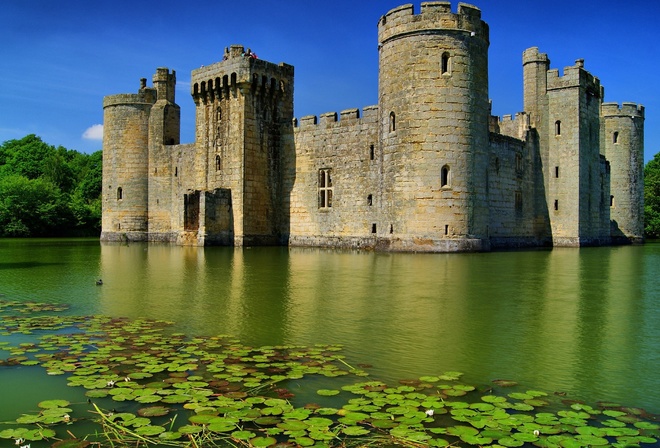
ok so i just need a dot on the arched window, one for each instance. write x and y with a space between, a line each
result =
557 127
615 137
392 122
444 176
120 194
445 64
218 163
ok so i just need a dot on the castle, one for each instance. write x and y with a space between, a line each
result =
427 169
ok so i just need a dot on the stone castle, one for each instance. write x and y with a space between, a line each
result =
427 169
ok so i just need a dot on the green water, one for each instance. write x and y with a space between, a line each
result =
585 322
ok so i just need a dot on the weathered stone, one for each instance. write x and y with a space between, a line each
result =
427 169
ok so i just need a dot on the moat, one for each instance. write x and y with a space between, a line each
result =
577 321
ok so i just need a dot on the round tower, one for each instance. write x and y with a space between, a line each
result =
433 98
125 164
623 137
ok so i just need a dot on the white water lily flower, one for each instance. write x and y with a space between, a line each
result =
110 383
26 446
430 412
66 418
537 432
19 440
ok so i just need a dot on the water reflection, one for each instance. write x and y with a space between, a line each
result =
576 321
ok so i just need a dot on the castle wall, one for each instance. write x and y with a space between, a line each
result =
511 193
346 148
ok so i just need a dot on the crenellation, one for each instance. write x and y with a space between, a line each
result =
427 169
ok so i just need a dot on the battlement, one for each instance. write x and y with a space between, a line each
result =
402 21
240 68
573 76
144 96
624 110
345 117
533 55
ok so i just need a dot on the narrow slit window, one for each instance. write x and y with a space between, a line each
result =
373 228
218 163
615 137
611 201
444 65
370 200
444 176
518 201
120 194
556 171
371 152
392 122
558 127
556 204
446 229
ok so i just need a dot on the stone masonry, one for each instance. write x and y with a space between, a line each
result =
427 169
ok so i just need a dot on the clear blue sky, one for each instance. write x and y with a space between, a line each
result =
58 59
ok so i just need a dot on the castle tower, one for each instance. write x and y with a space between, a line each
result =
434 106
623 137
244 110
575 175
125 164
164 131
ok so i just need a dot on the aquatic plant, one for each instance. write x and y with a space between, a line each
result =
175 390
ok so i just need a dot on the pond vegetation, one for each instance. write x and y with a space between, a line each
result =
146 385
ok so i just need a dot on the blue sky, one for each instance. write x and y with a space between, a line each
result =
58 59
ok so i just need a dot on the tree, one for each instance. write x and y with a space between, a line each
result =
652 198
48 191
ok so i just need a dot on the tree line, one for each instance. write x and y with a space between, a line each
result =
48 191
54 191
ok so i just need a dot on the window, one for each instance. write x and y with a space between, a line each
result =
615 137
556 204
218 163
325 188
518 201
373 228
176 171
611 201
556 171
445 64
370 200
444 176
519 163
392 122
446 229
557 127
120 194
371 152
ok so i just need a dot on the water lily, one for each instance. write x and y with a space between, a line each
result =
537 432
19 440
66 418
25 446
430 412
110 383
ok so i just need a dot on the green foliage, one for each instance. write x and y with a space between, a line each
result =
48 191
652 198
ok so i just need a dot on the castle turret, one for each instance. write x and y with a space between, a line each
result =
244 109
434 106
622 132
164 131
125 164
